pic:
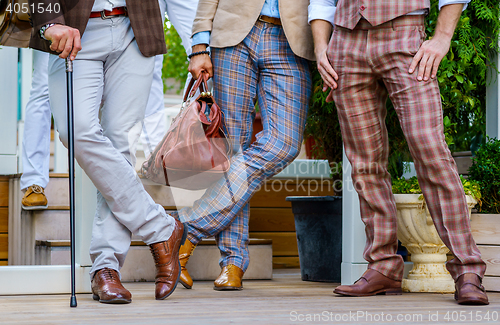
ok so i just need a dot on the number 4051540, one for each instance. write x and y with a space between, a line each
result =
471 316
32 8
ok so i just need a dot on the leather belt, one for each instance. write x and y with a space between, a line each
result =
271 20
118 11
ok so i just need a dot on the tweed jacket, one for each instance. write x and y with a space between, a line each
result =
145 19
230 21
377 12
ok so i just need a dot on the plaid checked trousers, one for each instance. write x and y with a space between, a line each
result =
261 68
373 63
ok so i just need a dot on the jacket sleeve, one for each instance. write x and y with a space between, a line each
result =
204 16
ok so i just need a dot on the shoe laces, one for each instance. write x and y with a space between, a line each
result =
155 253
108 274
37 189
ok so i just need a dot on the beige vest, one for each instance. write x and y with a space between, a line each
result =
230 21
377 12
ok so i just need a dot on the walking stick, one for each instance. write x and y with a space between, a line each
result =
71 165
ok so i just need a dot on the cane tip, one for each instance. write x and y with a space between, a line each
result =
72 302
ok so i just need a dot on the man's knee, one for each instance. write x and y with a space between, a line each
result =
81 134
429 148
283 154
292 153
63 136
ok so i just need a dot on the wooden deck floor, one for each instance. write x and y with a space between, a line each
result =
284 300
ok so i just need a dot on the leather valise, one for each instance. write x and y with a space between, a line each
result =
196 150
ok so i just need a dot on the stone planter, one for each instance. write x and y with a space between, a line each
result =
417 233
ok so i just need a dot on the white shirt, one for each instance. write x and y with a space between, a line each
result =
100 5
325 9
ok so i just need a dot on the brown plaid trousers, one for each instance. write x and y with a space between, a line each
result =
349 12
373 63
145 19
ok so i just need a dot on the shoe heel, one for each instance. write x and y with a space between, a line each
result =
95 297
394 292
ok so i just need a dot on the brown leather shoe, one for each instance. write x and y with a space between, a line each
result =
370 284
34 198
107 288
469 291
184 253
229 278
166 256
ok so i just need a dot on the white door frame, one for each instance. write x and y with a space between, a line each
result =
8 110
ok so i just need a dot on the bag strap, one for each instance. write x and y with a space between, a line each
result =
201 83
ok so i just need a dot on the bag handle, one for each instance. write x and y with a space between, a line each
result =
201 84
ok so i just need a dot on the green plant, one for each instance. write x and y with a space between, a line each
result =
406 186
322 123
175 63
411 186
462 73
485 170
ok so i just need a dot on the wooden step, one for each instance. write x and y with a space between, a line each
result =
139 265
51 224
486 232
4 219
4 191
57 192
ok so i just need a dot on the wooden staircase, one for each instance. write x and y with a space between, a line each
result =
271 220
51 240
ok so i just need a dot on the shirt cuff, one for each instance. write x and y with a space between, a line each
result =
321 12
201 38
443 3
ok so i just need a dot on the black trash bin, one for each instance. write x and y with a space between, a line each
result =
318 224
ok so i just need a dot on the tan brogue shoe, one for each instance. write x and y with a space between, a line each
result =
469 291
166 256
184 253
370 284
34 198
107 288
229 278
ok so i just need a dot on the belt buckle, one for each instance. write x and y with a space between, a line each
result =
103 15
262 20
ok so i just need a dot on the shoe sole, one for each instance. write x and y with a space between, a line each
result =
473 302
228 288
185 285
183 239
35 207
111 301
387 292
